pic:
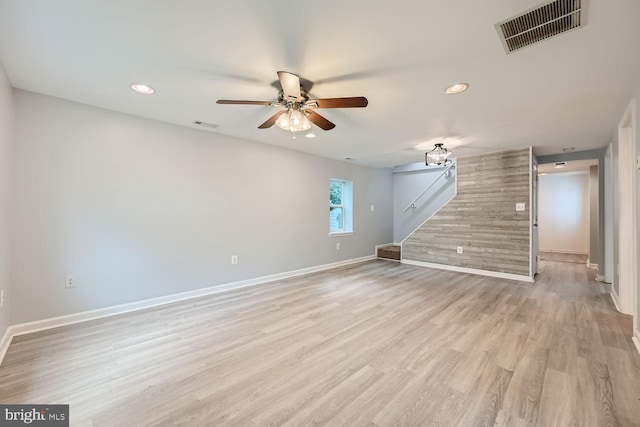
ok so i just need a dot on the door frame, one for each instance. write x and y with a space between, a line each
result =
627 241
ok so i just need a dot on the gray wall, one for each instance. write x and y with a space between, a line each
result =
408 183
6 137
137 209
593 215
482 217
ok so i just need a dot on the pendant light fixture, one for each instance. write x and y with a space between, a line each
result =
438 156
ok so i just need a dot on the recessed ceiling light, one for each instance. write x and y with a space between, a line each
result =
456 88
142 88
310 135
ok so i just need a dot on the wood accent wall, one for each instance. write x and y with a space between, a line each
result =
482 218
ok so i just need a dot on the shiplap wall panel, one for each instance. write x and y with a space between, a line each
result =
482 218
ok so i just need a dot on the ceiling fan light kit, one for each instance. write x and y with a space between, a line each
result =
438 156
293 120
299 113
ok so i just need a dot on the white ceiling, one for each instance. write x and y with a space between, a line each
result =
568 91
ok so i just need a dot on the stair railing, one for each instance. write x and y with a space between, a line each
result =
444 172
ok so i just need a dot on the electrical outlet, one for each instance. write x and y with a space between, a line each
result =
234 259
70 282
337 246
459 250
520 207
1 298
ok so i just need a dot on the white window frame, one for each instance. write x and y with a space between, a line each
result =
346 206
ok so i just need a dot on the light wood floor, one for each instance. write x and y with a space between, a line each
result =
563 257
376 344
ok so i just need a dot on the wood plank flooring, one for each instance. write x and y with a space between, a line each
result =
375 344
563 257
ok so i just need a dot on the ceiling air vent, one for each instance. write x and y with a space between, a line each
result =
541 23
205 124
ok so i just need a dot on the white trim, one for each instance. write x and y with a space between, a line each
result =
590 265
69 319
497 274
615 299
341 233
636 339
627 215
4 343
601 278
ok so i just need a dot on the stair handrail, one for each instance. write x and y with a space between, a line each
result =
444 171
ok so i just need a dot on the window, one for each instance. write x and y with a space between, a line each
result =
340 206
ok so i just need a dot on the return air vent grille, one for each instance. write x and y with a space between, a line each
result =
540 24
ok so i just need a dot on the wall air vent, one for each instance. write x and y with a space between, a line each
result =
541 23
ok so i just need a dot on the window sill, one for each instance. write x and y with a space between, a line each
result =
341 233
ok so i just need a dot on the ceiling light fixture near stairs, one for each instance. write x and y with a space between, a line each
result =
438 156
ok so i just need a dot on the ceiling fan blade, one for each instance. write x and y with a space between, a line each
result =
318 120
290 85
272 120
229 101
353 102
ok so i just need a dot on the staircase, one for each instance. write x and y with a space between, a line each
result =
390 252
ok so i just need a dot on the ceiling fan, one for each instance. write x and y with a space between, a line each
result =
298 112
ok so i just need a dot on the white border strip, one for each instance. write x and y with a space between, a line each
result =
55 322
470 270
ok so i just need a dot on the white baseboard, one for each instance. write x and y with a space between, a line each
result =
55 322
497 274
590 265
615 298
636 339
561 251
4 343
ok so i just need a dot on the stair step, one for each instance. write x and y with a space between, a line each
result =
389 252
